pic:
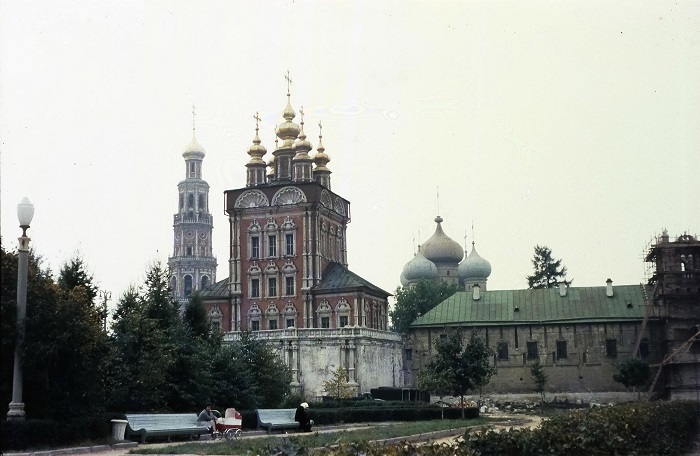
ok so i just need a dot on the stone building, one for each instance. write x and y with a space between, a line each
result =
577 333
193 265
288 279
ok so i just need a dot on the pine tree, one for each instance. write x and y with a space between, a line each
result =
548 272
539 378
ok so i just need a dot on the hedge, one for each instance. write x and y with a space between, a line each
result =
21 435
638 428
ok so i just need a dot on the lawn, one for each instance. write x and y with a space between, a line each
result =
264 445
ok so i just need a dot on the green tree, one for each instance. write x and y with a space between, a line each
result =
338 386
195 317
463 369
65 350
439 385
148 341
74 273
539 378
416 300
268 375
633 372
548 272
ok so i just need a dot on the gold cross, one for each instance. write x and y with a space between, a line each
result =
289 81
193 116
257 119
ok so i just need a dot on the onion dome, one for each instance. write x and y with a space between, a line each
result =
193 150
256 151
288 130
321 159
302 146
419 268
474 267
404 282
440 248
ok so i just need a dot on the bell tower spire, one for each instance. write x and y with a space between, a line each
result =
193 264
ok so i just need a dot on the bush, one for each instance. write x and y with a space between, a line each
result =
638 428
21 435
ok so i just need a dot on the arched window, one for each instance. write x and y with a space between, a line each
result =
188 286
202 206
190 200
205 281
173 284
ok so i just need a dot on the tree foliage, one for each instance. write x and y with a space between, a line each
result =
633 372
65 348
463 369
548 272
539 379
416 300
338 386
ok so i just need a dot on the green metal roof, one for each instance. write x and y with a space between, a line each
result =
216 290
581 304
337 277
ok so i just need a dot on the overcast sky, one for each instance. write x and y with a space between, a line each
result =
574 125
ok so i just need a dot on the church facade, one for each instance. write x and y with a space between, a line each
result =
288 279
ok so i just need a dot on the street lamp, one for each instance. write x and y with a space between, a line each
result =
25 212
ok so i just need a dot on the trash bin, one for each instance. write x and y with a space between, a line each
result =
118 429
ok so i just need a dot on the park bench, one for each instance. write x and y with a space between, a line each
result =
272 419
164 425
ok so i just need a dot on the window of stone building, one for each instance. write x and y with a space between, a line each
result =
272 246
409 354
503 351
254 288
289 244
188 286
289 286
532 350
325 322
290 322
644 349
272 324
272 286
205 281
343 322
611 348
561 349
443 336
215 324
255 325
254 247
188 251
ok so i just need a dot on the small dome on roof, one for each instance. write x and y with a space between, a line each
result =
194 149
440 248
474 267
419 268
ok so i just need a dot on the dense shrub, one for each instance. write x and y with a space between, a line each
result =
21 435
385 413
639 428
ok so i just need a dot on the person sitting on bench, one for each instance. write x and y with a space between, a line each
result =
207 416
302 417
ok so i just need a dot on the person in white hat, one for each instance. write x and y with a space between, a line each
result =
302 418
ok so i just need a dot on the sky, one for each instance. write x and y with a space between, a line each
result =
570 124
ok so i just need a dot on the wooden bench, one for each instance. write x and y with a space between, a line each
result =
272 419
164 425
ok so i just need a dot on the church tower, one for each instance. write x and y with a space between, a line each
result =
288 235
193 266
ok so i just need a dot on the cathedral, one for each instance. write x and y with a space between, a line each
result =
288 278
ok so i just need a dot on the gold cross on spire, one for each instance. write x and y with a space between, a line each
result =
301 111
320 129
257 120
289 82
193 117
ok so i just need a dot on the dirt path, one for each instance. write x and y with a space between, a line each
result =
505 422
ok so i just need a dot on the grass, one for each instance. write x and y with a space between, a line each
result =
265 445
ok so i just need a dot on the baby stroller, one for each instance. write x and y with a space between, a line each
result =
230 425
